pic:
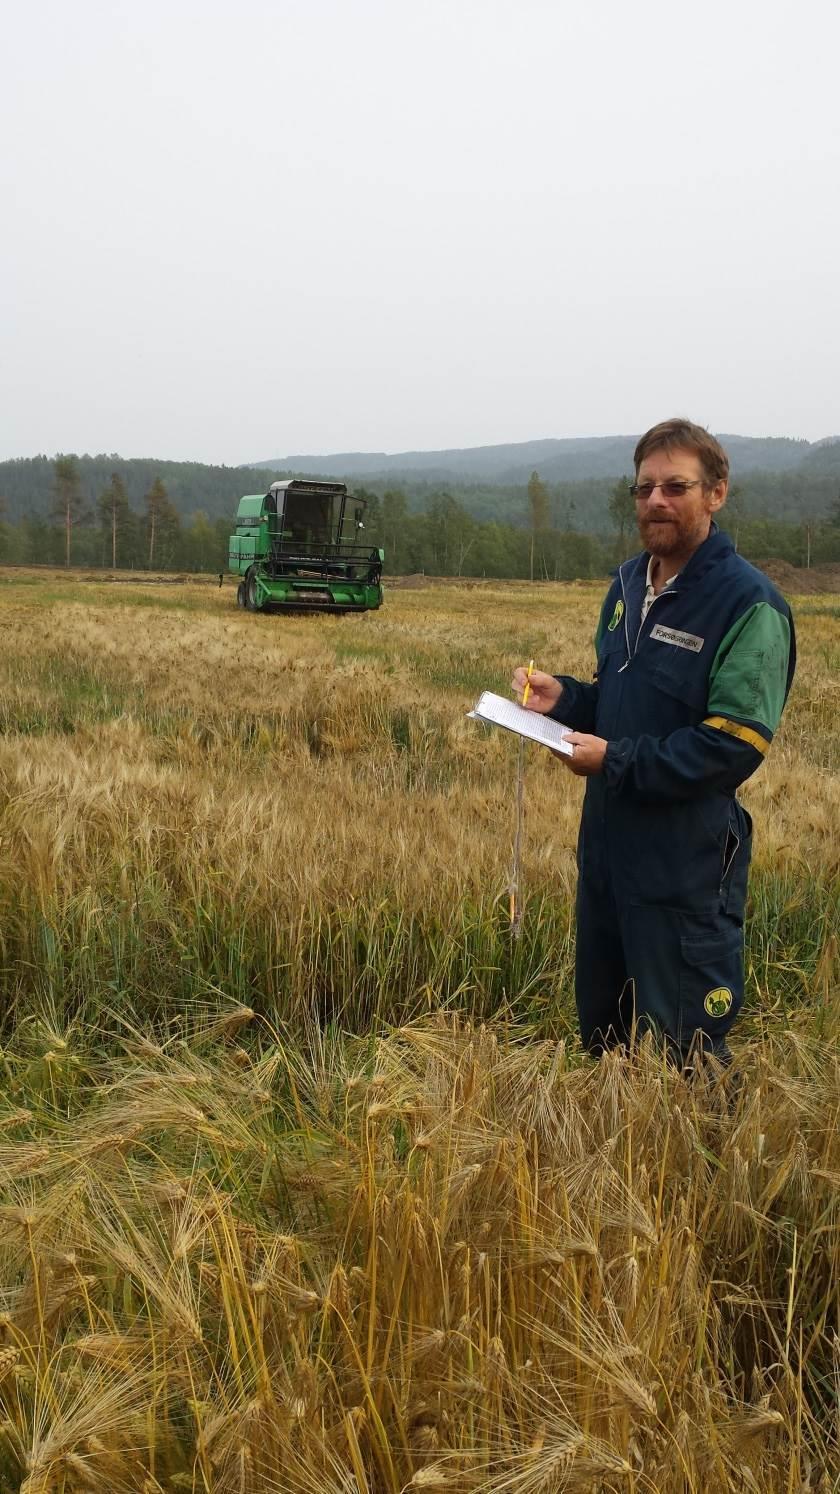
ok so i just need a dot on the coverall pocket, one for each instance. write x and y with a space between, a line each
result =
680 675
612 652
711 980
736 862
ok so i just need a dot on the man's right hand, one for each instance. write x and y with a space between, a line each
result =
545 690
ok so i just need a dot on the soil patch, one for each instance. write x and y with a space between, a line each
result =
793 579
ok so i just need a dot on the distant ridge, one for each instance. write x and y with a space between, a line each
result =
556 460
778 478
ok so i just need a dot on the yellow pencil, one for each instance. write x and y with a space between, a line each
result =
526 691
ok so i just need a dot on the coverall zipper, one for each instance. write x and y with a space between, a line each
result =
631 654
668 593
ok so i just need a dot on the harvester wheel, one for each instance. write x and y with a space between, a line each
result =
240 594
251 595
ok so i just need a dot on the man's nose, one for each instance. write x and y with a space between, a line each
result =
657 497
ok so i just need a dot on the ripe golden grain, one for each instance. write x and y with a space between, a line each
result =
273 1223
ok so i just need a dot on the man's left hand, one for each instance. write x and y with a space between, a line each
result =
588 756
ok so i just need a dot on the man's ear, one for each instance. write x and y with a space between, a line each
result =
717 496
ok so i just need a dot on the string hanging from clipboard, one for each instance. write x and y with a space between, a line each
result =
517 906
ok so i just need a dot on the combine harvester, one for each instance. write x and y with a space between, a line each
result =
297 549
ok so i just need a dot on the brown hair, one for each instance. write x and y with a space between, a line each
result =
669 435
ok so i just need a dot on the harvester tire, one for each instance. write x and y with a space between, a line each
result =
240 594
251 596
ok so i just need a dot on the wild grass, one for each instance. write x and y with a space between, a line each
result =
304 1184
450 1257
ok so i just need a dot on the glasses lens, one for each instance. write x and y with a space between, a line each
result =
668 489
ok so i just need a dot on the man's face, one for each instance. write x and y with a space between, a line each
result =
673 528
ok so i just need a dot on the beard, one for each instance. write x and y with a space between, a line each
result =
671 536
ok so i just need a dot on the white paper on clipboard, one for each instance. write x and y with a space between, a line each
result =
496 710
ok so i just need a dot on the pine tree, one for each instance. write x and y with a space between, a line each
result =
735 513
622 511
539 505
113 510
69 506
394 515
200 542
163 524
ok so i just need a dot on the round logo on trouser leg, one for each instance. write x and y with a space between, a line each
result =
688 972
718 1002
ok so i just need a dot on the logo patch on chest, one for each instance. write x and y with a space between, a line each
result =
616 617
679 640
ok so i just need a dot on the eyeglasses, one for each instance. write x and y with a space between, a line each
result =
675 489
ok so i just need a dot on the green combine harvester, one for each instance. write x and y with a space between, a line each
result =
297 549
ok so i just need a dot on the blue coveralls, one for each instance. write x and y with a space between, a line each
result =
688 702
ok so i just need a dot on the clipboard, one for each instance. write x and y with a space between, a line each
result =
497 710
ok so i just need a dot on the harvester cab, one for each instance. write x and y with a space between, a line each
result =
299 548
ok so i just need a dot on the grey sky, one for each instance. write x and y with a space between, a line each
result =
236 231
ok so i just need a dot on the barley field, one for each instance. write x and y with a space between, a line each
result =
304 1182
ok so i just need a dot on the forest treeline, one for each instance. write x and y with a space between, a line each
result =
791 487
107 512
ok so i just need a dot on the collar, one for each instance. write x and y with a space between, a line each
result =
649 576
715 547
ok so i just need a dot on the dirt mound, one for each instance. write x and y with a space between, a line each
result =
794 579
415 582
791 580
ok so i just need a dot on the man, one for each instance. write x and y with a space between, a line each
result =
696 653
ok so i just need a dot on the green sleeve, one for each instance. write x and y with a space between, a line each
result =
749 675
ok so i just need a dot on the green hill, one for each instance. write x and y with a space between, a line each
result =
556 460
776 478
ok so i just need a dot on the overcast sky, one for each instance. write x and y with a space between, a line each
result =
235 231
